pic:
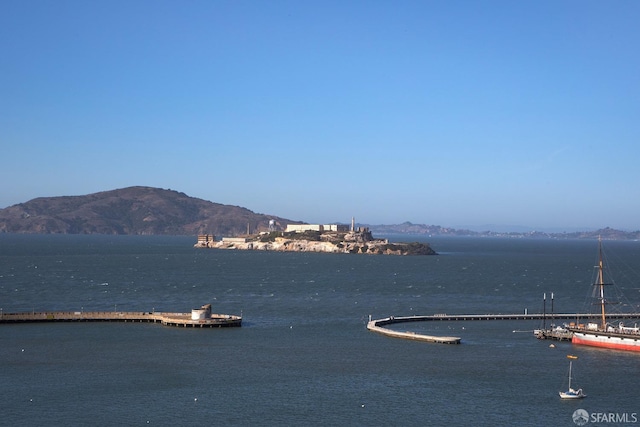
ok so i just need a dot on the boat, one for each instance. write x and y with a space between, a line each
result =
571 393
604 334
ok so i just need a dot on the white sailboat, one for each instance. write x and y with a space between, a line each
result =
571 393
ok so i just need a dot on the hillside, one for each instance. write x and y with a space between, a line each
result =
132 210
148 210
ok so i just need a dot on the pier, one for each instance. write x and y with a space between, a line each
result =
377 324
374 325
198 318
474 317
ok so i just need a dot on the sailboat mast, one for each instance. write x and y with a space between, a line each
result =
570 364
601 284
544 310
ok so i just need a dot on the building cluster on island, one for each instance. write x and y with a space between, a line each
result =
332 238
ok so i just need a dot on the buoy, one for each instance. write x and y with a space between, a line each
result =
552 346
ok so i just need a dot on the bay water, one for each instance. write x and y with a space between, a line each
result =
303 355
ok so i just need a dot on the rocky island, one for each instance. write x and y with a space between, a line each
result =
332 239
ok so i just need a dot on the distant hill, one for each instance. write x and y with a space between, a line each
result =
148 210
132 210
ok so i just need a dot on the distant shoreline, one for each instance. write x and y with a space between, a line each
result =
436 230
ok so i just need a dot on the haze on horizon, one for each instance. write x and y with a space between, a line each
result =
457 113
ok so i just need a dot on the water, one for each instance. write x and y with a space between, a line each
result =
303 355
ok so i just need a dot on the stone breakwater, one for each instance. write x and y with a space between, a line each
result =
377 247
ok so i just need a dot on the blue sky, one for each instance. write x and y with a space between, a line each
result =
451 113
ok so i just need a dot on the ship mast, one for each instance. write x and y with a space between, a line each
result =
601 285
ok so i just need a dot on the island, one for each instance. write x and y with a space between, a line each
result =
331 238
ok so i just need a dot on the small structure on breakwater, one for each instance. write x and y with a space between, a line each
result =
201 313
198 318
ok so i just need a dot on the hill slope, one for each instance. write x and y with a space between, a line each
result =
132 210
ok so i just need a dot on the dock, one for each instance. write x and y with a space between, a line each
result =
198 318
557 333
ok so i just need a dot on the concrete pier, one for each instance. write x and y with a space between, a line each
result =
169 319
374 325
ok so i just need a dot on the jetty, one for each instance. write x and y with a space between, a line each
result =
376 326
198 318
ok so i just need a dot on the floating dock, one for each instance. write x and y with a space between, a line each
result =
198 318
557 334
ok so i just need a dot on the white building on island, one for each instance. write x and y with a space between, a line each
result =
301 228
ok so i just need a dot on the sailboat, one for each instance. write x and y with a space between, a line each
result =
605 335
571 393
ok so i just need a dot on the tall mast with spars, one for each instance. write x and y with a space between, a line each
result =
600 285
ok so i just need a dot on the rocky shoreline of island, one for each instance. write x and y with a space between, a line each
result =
352 242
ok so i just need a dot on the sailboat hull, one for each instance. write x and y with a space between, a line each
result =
607 340
574 395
